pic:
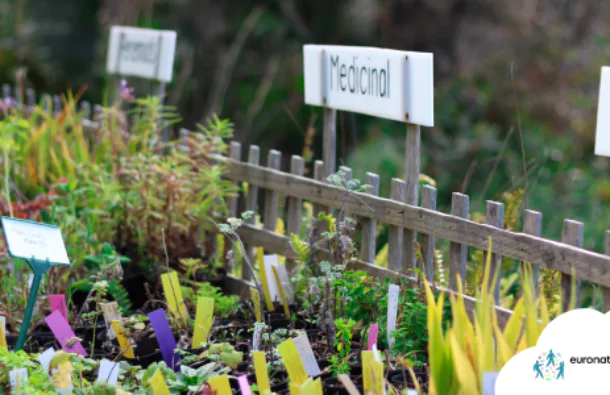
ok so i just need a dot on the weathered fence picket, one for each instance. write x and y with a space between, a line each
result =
368 240
428 198
573 234
494 216
458 253
395 233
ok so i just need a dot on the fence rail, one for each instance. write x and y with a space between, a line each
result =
404 220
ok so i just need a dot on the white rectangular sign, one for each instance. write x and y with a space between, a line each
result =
393 292
602 134
385 83
29 239
145 53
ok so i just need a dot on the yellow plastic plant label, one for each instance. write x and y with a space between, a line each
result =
295 389
260 368
317 385
173 295
292 361
158 384
256 301
372 373
123 341
3 332
263 273
220 385
282 292
308 387
203 321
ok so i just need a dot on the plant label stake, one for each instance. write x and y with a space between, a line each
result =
220 385
292 360
256 301
307 356
58 303
373 332
244 386
489 383
392 311
165 338
260 369
158 384
119 330
63 333
111 313
18 378
108 372
3 332
42 245
203 321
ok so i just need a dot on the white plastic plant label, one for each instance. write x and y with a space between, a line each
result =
108 372
257 337
602 133
29 239
274 291
45 359
111 313
18 376
283 275
393 292
307 356
145 53
489 383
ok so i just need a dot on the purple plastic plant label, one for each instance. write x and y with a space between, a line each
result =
165 338
58 303
373 331
244 386
64 334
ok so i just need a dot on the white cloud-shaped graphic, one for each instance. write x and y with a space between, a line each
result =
578 335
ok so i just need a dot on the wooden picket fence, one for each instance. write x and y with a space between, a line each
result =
271 182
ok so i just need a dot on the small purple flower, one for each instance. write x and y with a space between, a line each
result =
7 103
126 92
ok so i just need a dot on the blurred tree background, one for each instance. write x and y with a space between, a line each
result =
516 83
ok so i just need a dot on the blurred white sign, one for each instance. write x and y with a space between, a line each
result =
29 239
602 134
145 53
385 83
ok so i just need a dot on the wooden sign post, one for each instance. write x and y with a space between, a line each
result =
143 53
602 148
385 83
43 247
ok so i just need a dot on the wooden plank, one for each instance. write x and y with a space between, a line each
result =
428 198
329 144
279 244
295 204
573 234
589 265
271 196
606 290
295 208
412 164
413 144
251 205
532 224
494 216
369 225
235 154
395 233
318 175
458 252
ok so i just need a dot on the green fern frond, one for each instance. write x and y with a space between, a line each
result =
301 247
120 295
